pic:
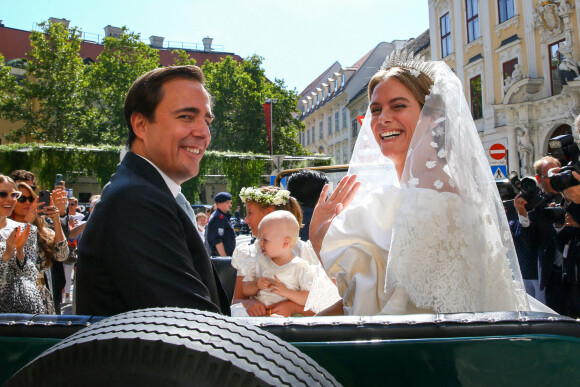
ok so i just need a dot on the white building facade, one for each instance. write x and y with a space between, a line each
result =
518 62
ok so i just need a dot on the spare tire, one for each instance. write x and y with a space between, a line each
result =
172 347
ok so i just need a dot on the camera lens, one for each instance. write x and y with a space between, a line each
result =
561 181
527 185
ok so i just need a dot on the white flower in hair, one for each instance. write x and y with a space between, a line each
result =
442 154
430 164
438 184
415 73
258 195
434 145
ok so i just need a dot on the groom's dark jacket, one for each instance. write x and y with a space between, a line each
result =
141 250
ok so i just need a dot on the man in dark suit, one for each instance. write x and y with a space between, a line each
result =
540 234
140 248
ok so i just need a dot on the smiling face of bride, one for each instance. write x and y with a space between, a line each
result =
394 116
396 98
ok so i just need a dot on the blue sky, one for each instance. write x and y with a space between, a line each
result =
298 39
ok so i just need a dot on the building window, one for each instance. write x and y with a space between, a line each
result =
308 137
342 80
337 154
476 99
472 20
445 35
345 155
354 126
336 85
313 135
508 68
318 99
555 60
506 9
320 130
336 121
344 118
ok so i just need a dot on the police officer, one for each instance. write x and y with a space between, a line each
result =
220 234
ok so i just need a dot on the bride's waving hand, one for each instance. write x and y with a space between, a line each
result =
326 210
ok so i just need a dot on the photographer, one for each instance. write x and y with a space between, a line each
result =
573 193
539 231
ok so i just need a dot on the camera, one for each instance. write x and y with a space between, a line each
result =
529 190
555 215
565 149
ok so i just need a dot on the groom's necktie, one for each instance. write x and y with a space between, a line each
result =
182 201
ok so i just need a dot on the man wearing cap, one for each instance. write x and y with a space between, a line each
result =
220 234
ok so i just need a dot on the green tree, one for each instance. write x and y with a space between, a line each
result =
49 100
182 58
239 90
122 61
8 88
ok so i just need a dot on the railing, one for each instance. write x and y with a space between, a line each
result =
168 44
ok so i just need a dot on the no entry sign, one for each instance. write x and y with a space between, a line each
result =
497 151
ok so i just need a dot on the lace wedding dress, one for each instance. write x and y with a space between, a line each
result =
435 240
432 262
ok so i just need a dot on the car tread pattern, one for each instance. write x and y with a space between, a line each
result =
184 344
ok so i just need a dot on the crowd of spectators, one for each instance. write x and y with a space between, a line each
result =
546 233
38 245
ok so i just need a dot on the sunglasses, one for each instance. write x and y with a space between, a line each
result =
33 187
13 195
23 199
72 203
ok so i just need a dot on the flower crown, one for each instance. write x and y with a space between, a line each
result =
407 60
255 194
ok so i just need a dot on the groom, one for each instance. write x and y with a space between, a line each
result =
140 249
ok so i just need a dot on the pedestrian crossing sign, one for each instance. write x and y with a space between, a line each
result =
499 172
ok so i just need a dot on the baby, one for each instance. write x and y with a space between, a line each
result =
279 275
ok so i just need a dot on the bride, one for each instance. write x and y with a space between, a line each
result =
426 232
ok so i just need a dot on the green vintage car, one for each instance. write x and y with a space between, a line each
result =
171 346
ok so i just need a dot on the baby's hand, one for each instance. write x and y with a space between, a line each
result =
263 283
279 288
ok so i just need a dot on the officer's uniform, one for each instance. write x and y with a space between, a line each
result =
220 230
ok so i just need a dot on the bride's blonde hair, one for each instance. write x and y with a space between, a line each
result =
419 85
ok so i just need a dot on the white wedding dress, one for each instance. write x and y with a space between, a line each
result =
438 264
435 240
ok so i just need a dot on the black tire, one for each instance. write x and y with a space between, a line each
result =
172 347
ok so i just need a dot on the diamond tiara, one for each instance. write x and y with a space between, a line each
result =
407 60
